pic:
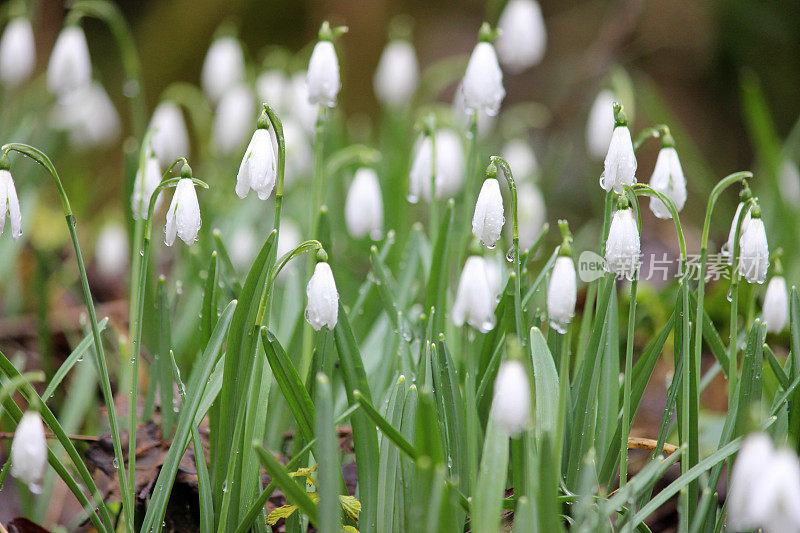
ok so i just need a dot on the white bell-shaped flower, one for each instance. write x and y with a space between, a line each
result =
70 66
142 191
258 169
322 78
272 87
111 251
88 116
495 275
233 119
474 303
397 75
622 246
521 158
776 305
764 488
363 210
511 400
169 139
532 214
223 67
488 219
17 52
183 215
600 125
482 86
322 308
727 248
29 452
619 168
523 36
562 293
463 115
668 179
449 166
9 205
754 251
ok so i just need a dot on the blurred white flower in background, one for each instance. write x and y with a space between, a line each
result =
322 79
474 303
111 251
223 67
300 106
70 66
776 305
789 179
600 125
89 117
363 209
532 214
520 158
299 157
272 87
17 52
523 36
170 140
397 75
29 452
449 166
140 198
511 401
233 119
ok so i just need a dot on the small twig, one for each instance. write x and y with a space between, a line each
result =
638 443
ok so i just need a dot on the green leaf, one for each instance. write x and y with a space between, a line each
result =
438 276
327 456
546 380
488 500
451 411
386 427
163 372
294 492
76 356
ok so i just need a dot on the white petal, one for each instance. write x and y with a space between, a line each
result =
397 74
322 79
482 85
258 168
70 66
619 167
17 52
223 67
363 209
488 220
669 180
754 252
511 401
622 246
29 451
187 211
322 308
776 305
14 213
523 36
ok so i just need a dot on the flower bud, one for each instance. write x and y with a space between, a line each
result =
233 119
482 86
183 215
17 52
521 158
619 168
111 251
754 251
363 210
622 245
29 451
600 125
668 179
449 166
523 36
322 78
397 75
223 68
70 66
322 308
562 292
257 171
532 214
169 139
474 303
511 401
9 205
142 192
776 305
488 220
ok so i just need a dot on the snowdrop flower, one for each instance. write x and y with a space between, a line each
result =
363 210
488 220
668 179
619 168
764 488
17 52
532 214
484 123
169 139
29 452
562 292
111 251
298 151
474 303
88 116
776 305
520 158
727 248
233 119
183 215
495 274
223 68
142 192
753 250
449 166
511 401
523 36
70 66
9 203
258 171
789 176
397 75
301 108
322 78
600 125
323 298
482 85
272 87
622 245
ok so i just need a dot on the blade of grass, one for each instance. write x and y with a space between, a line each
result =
327 455
293 491
488 500
76 356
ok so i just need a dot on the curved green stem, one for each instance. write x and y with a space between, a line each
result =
653 132
307 246
645 190
512 186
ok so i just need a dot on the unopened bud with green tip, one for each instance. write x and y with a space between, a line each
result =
619 167
562 289
482 86
322 79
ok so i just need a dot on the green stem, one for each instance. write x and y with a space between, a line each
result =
626 390
733 362
319 166
563 397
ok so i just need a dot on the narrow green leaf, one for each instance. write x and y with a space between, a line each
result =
293 491
438 276
488 500
386 427
162 367
327 455
451 410
776 367
389 466
76 356
546 380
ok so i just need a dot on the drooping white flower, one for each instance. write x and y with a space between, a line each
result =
257 171
183 215
619 167
170 139
789 176
140 199
9 205
484 123
622 246
29 452
17 52
523 36
600 125
474 303
449 166
495 275
521 158
488 219
322 79
111 251
322 308
363 210
727 248
754 251
272 87
298 152
776 305
482 85
223 67
668 179
299 105
532 214
397 75
562 292
764 488
233 119
511 400
89 117
70 66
